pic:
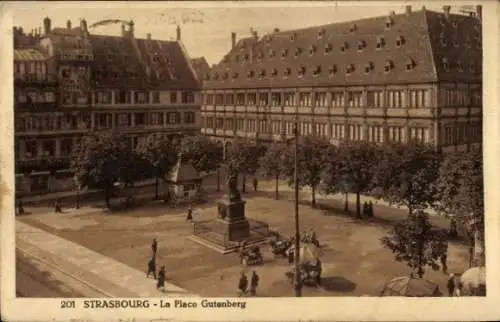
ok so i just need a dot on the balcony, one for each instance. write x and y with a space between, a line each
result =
37 106
355 111
448 111
305 110
57 132
420 112
321 110
240 109
35 79
375 111
289 109
462 111
397 112
476 111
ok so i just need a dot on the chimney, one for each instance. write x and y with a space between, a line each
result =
233 39
423 8
124 32
479 12
131 28
148 36
46 26
446 10
39 31
68 24
392 14
178 30
83 25
408 10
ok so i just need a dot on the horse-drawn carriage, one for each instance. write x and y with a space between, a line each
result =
252 256
280 247
309 267
309 237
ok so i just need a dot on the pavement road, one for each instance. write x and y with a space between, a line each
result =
36 278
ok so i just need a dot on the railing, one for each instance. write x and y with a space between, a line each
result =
36 78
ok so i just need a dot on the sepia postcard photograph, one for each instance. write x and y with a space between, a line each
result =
227 161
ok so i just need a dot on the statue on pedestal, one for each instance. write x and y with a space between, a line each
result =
234 194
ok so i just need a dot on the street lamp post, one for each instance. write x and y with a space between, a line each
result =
297 279
77 186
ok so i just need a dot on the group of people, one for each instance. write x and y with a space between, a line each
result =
368 209
243 284
152 267
20 208
309 237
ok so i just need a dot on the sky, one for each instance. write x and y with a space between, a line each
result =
205 26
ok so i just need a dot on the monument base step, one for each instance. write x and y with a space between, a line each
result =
226 248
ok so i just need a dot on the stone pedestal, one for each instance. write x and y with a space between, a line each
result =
232 216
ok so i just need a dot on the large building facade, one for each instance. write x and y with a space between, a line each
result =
70 83
414 75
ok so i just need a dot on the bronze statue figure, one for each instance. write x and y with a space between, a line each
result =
234 194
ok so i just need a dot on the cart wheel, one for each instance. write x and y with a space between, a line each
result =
244 261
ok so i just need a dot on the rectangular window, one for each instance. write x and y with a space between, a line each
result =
338 99
156 97
66 147
220 123
189 118
337 131
240 99
396 133
173 117
156 118
263 99
417 98
305 99
252 98
355 132
123 97
355 99
173 97
289 99
140 119
187 98
229 99
395 98
124 120
276 99
374 98
209 99
320 99
141 97
210 122
219 99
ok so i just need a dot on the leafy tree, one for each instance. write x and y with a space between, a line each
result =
415 242
311 160
406 175
100 161
160 156
356 163
461 197
244 159
271 163
203 153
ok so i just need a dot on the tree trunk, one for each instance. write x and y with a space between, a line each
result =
410 210
107 197
276 193
243 183
479 256
358 204
156 187
346 202
218 179
313 190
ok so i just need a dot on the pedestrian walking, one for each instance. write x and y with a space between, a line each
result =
254 282
189 216
370 209
154 247
161 279
20 208
57 206
255 183
243 284
151 268
365 209
290 256
444 260
453 228
450 285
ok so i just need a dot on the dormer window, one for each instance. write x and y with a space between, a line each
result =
284 53
410 64
388 23
247 56
237 58
400 41
321 33
225 76
298 51
312 50
361 44
472 67
260 56
288 71
454 24
302 71
455 42
235 75
317 71
224 60
460 66
389 65
368 67
344 47
444 43
250 74
445 63
328 48
216 76
353 28
349 69
292 37
332 70
380 42
262 73
274 72
272 53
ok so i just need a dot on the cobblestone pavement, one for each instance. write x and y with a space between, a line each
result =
354 262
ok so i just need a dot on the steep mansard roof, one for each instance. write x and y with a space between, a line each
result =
422 46
30 54
201 66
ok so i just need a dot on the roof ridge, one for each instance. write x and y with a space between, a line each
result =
429 43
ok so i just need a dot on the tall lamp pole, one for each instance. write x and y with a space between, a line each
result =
297 279
77 184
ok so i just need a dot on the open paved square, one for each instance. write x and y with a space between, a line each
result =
354 262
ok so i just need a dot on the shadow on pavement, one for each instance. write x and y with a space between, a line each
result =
337 284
